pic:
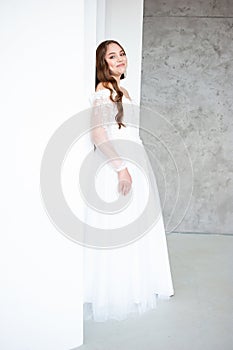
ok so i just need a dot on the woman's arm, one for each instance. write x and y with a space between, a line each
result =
99 123
99 137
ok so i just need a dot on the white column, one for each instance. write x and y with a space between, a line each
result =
90 20
124 23
101 20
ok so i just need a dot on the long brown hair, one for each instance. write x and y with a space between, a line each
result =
103 75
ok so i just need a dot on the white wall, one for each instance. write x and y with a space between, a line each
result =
47 55
41 87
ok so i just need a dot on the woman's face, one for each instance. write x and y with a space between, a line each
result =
116 59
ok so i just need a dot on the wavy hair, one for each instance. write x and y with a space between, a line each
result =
104 76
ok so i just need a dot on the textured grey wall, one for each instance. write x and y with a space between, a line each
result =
187 76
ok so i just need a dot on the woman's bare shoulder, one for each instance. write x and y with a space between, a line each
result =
100 86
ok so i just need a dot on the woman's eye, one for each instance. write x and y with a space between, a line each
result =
113 56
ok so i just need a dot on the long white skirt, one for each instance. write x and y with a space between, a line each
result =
126 280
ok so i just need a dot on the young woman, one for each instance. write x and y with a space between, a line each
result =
128 279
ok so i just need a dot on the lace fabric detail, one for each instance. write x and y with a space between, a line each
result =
100 100
104 107
102 119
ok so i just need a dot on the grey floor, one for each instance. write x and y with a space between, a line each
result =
198 316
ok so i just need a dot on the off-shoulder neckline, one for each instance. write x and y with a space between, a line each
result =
101 90
108 91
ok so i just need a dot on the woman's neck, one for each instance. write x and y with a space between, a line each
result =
118 79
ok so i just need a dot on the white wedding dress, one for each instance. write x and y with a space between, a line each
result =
125 279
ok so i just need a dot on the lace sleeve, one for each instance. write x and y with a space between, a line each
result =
100 119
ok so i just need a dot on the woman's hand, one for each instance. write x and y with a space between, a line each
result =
124 181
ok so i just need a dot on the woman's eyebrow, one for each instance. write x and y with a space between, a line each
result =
114 52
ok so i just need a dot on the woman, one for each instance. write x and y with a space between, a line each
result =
127 280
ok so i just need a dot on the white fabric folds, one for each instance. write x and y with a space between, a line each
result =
126 280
